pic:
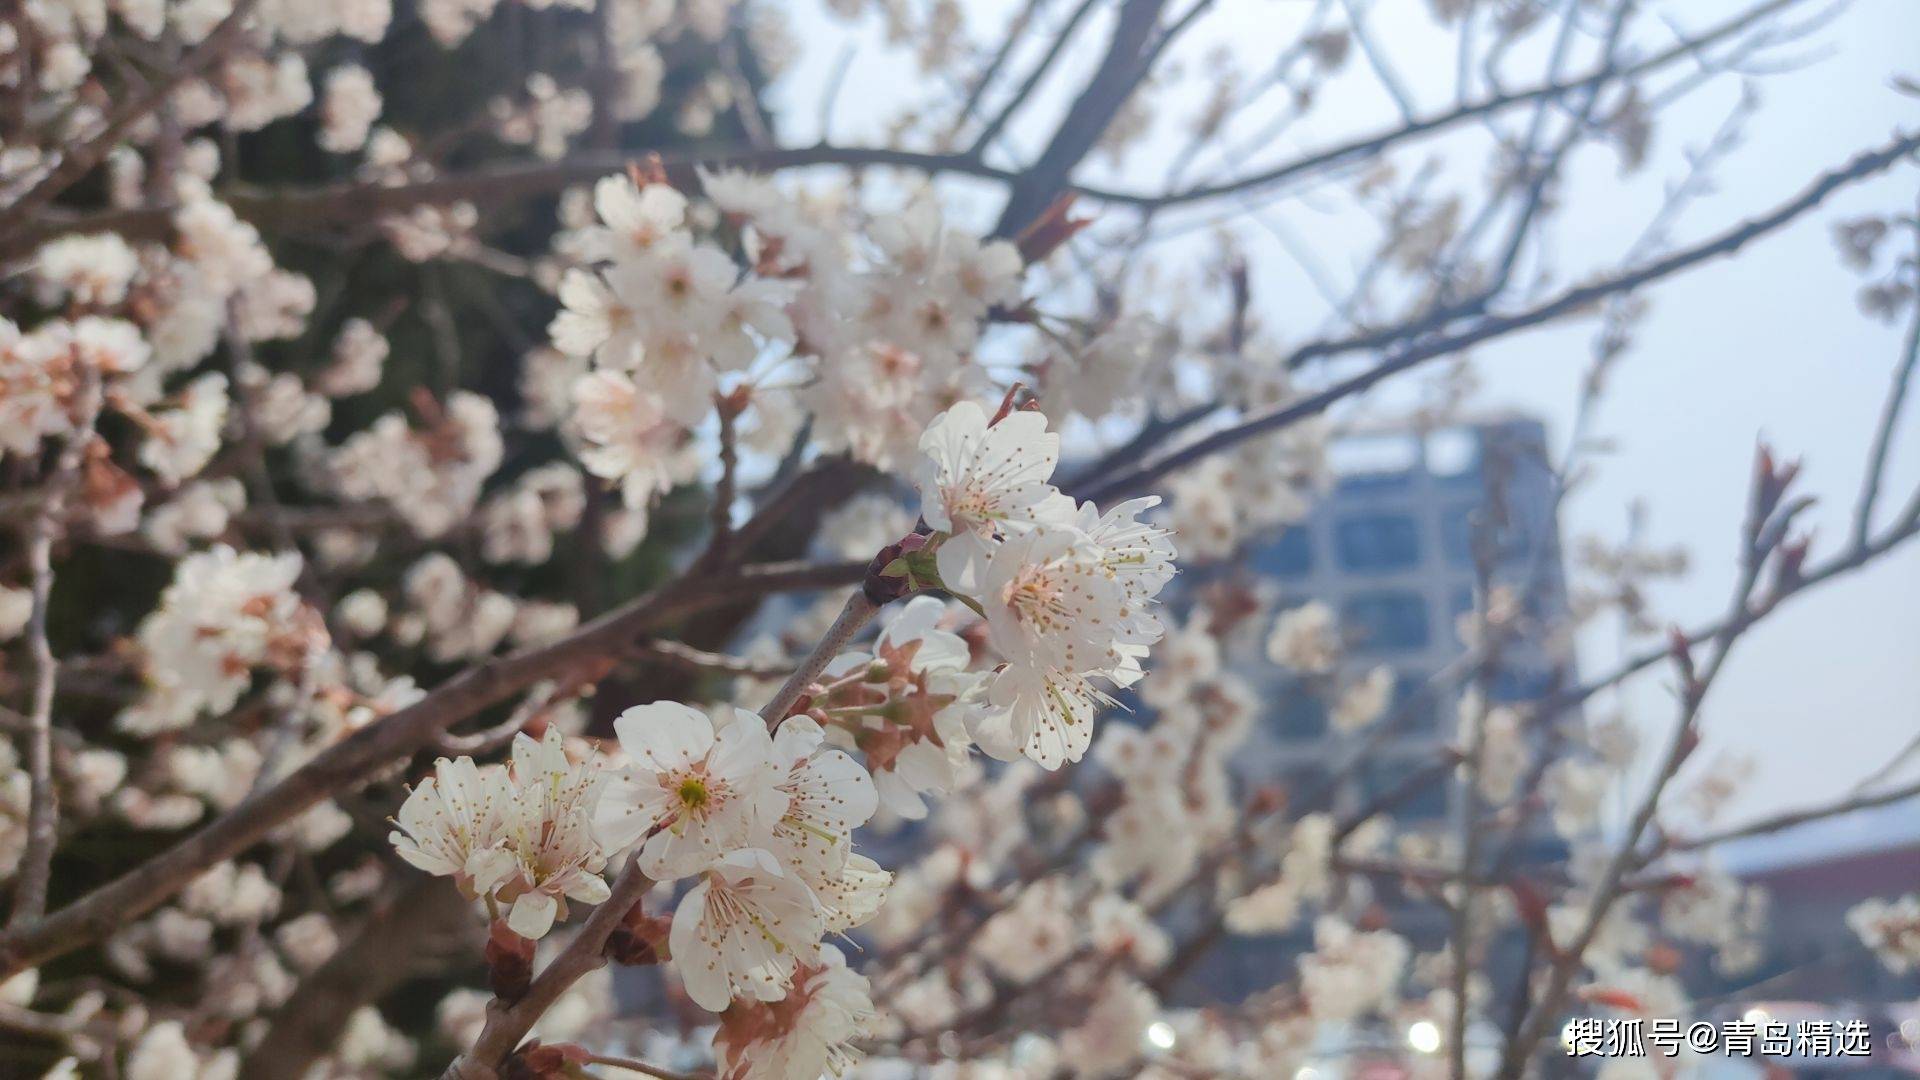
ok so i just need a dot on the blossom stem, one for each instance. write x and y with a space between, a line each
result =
507 1025
635 1065
855 615
851 711
850 679
721 512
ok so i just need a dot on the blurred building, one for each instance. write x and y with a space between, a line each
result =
1390 549
1814 874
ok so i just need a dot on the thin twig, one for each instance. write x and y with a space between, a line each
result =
686 656
1061 40
644 1068
1792 818
489 739
84 1036
508 1024
43 810
107 908
1566 303
1016 30
859 610
1883 434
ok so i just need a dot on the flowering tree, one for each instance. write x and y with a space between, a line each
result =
411 414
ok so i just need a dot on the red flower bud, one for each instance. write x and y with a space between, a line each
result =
537 1061
509 962
640 939
1050 230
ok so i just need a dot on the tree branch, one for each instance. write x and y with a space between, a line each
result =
356 202
77 161
508 1024
43 808
1367 146
1104 95
404 732
1790 819
1061 40
1883 434
1569 302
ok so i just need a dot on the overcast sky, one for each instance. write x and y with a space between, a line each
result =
1770 342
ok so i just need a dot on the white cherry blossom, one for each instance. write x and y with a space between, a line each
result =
693 792
182 440
92 269
632 438
453 823
854 894
827 796
978 480
1891 928
633 219
225 614
1305 638
1138 557
519 835
593 323
549 828
1042 711
806 1035
1051 602
349 106
743 930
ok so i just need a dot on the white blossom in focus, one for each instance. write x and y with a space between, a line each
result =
827 795
549 828
693 792
806 1035
978 480
453 823
743 930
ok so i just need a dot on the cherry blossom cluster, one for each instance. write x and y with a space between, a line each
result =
786 322
335 422
518 835
762 821
1066 589
761 816
268 74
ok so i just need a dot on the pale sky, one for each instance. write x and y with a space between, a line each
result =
1770 342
